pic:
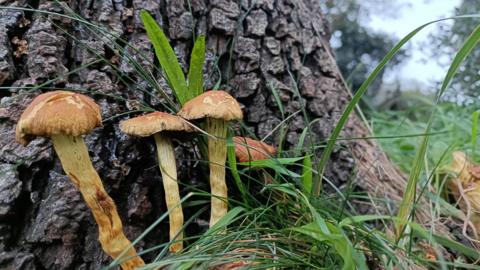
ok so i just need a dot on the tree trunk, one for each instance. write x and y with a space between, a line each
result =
252 49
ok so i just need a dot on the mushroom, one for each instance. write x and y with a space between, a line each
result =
65 117
158 124
217 107
466 188
247 149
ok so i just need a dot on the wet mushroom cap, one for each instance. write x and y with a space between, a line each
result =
247 149
214 104
149 124
58 112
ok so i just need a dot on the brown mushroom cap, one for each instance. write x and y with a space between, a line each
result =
58 112
213 104
247 149
149 124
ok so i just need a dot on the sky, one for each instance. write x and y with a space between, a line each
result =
413 14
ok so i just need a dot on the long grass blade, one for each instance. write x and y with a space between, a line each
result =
307 175
464 51
360 92
166 56
232 164
406 206
195 72
475 116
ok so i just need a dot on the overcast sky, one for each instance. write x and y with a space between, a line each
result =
416 13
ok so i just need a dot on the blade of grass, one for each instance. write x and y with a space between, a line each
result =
475 116
232 164
464 51
166 56
225 220
417 231
276 96
358 95
195 72
406 209
406 206
307 175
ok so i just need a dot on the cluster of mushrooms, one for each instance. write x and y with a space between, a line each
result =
65 116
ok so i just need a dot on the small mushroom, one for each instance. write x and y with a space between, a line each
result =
217 107
158 124
65 117
247 149
465 187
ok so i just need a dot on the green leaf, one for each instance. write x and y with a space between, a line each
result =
185 265
266 162
232 163
195 72
335 238
277 98
464 51
225 220
406 206
166 56
362 218
307 175
274 164
358 95
301 141
453 245
418 231
321 230
287 188
474 132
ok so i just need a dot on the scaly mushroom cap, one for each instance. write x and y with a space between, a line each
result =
58 112
213 104
247 149
149 124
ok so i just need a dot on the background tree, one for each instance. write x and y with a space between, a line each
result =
358 48
466 83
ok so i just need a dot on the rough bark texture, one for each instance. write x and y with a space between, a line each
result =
257 45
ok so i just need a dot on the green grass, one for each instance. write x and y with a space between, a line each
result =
453 129
282 224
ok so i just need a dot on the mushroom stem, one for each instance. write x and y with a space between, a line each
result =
168 168
217 155
76 163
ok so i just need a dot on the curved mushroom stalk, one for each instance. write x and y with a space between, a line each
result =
168 168
76 163
217 155
65 116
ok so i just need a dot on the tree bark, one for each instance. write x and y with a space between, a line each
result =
253 47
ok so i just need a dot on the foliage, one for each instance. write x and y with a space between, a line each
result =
399 130
324 230
358 48
467 83
170 65
279 224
